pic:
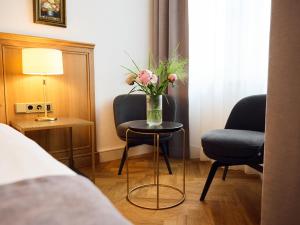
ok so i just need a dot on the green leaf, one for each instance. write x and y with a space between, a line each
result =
132 90
136 66
129 70
144 89
149 62
162 87
164 94
152 63
174 52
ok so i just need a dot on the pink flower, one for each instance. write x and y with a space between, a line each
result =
172 77
144 77
154 79
130 79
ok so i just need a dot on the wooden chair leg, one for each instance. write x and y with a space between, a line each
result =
209 179
225 172
164 148
122 161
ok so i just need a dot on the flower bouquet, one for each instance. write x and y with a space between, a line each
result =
154 82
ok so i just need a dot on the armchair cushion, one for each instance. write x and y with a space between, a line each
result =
233 144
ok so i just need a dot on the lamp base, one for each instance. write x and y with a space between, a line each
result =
44 119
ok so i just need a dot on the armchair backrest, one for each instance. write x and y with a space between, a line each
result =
133 107
248 114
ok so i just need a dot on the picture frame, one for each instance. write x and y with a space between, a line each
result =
50 12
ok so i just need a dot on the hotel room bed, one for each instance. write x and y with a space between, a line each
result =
37 189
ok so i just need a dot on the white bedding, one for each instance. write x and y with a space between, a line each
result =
21 158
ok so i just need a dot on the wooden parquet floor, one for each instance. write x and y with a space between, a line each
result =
235 201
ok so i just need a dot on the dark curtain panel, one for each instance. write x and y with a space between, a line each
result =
170 28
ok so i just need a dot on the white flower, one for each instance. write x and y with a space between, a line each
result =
154 79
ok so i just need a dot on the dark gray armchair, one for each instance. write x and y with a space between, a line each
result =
242 140
133 107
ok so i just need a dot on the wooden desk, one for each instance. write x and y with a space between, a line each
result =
31 125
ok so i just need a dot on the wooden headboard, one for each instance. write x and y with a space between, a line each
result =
72 94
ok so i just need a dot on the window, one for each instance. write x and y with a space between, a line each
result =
229 48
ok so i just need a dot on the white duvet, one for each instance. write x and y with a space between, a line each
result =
21 158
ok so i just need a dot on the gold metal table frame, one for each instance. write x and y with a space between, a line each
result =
156 138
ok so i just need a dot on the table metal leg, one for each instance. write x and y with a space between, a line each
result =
127 167
157 171
184 163
156 183
154 158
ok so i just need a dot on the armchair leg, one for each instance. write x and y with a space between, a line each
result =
164 148
122 161
225 172
210 177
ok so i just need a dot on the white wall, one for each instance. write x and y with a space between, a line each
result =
114 26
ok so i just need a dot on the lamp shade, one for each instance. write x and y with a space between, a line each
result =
42 61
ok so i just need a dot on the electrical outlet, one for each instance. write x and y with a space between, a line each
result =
37 107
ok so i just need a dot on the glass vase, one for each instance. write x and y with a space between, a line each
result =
154 110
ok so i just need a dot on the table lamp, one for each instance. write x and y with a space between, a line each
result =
42 61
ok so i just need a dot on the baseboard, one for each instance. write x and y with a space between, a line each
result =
115 153
194 152
110 154
197 153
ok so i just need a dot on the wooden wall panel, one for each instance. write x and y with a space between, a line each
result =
72 94
2 93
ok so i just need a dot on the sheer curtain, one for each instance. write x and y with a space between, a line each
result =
229 47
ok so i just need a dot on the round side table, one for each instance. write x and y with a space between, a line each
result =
141 127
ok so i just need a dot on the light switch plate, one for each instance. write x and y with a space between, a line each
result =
36 107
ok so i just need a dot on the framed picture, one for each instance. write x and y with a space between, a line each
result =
50 12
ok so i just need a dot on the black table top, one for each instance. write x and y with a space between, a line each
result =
143 127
